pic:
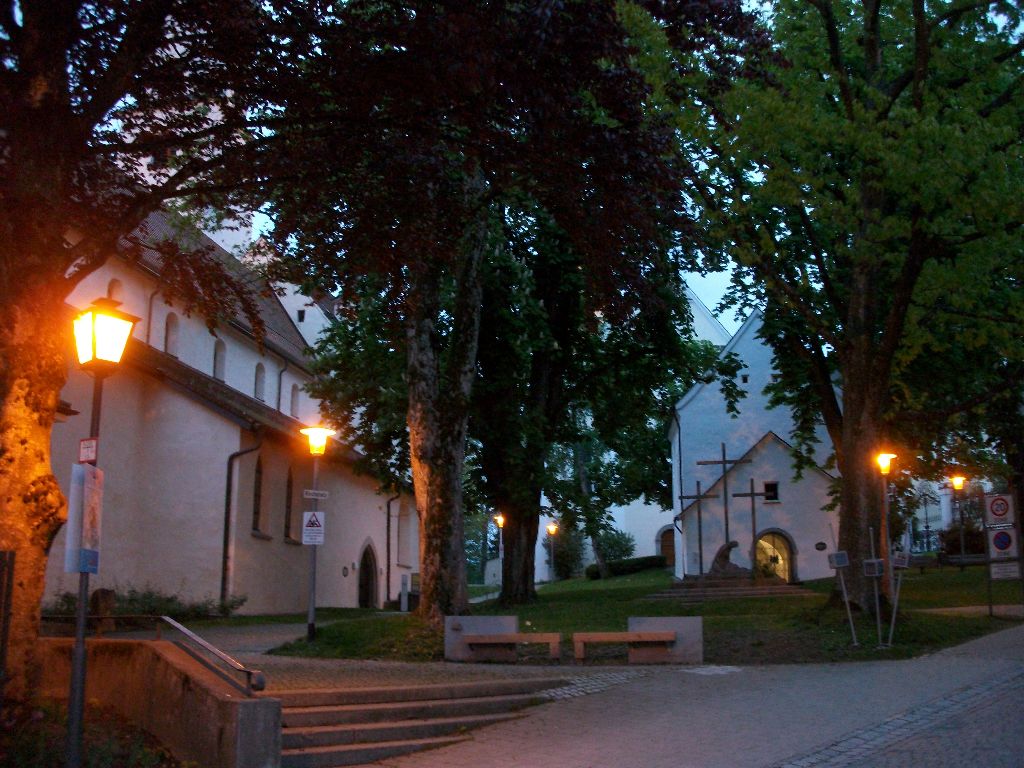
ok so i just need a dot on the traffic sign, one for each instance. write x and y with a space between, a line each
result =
87 449
313 528
310 493
999 509
1003 553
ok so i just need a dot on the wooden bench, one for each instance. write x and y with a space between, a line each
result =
509 640
581 639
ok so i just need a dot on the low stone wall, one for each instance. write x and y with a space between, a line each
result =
195 713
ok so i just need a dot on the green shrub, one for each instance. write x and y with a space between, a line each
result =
631 565
150 602
616 545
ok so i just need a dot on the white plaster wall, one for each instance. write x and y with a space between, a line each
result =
798 514
314 322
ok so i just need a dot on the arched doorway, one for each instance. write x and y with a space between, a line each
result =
775 556
368 579
667 546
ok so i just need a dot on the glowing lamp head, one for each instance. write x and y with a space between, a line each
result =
958 482
500 520
552 529
317 439
885 462
101 334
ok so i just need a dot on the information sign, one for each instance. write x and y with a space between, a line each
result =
838 559
313 528
310 493
85 512
87 450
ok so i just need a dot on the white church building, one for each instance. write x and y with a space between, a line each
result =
205 468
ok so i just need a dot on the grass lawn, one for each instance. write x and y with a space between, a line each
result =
749 631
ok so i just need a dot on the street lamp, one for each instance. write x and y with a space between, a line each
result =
957 481
552 529
885 467
101 334
499 520
317 447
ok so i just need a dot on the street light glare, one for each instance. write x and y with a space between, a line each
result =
101 333
958 482
884 462
500 520
317 439
552 529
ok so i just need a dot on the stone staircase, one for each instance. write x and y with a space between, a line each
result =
692 591
323 728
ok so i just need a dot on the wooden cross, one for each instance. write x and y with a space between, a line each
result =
724 462
753 527
700 525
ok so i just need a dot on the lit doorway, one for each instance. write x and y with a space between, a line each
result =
775 557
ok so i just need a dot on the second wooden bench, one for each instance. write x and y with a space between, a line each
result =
581 639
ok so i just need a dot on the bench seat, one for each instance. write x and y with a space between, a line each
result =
552 639
581 639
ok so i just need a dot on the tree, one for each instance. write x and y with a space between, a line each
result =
866 182
107 109
415 124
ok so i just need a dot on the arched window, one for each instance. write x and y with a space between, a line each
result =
259 388
257 496
115 290
220 350
294 410
288 486
171 335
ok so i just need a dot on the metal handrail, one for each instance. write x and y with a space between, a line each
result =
255 680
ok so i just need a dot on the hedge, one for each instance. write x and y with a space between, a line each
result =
631 565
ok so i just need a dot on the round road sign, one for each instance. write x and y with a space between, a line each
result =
1002 541
999 507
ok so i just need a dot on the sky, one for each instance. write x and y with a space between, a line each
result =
710 290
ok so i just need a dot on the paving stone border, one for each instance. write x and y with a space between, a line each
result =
859 745
582 686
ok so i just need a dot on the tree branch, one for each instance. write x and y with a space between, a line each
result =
835 51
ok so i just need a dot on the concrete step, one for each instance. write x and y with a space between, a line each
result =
399 730
359 754
314 697
292 717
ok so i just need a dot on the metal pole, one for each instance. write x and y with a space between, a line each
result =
878 608
960 513
311 609
846 602
700 531
884 543
76 694
725 493
753 532
895 607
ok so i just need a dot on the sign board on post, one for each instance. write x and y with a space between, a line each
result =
87 450
310 493
1003 550
999 510
85 512
313 527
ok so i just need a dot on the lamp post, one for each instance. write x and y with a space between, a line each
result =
317 447
885 467
957 481
499 520
552 529
101 334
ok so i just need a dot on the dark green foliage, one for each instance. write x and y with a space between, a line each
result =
569 548
150 602
615 544
626 567
974 539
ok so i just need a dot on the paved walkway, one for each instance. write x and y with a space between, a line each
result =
961 706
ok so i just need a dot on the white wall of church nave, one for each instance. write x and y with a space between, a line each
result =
195 344
163 459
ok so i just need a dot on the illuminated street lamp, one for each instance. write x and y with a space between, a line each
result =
885 467
317 437
957 481
499 520
101 334
552 529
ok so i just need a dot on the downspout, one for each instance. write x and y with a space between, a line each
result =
225 562
387 550
149 315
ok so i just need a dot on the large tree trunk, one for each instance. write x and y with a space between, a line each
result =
440 381
517 569
32 507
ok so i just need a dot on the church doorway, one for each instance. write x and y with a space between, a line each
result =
775 556
667 546
368 579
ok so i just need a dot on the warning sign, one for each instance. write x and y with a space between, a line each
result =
313 528
999 510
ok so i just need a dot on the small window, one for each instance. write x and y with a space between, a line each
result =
771 491
220 351
260 385
294 408
257 496
171 335
744 378
288 488
301 314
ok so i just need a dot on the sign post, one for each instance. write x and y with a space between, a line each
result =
1003 542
